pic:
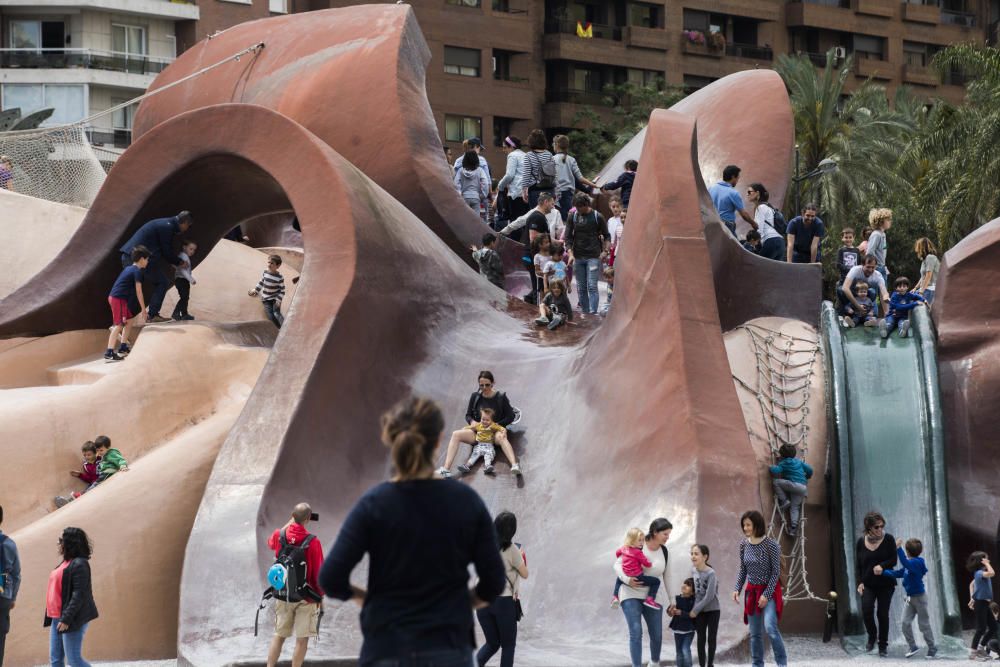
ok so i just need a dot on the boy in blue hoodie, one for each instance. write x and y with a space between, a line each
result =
901 302
789 482
624 182
912 573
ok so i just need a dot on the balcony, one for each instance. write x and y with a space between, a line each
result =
883 8
920 75
961 19
102 136
576 96
929 14
750 52
646 38
817 14
556 26
81 59
176 10
696 49
817 59
869 68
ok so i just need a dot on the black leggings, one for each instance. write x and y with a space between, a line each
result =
883 597
986 625
499 624
183 294
707 625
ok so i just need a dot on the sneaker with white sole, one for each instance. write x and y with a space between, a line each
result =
541 321
904 329
516 469
883 329
464 469
489 470
444 472
932 652
912 651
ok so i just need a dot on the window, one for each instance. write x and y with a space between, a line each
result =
693 82
460 128
463 3
122 118
502 128
37 34
501 65
645 16
868 47
278 6
66 100
587 80
461 61
172 48
915 54
644 77
704 22
128 39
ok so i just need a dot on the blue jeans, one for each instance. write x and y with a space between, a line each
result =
273 311
565 201
66 647
773 248
759 624
929 294
446 657
585 273
635 611
499 624
683 643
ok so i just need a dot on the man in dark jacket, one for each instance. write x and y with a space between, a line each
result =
158 236
10 581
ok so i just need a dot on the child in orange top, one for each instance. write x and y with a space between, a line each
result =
486 430
633 560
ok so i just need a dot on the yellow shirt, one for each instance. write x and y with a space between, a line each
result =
485 434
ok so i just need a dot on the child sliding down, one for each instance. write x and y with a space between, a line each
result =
633 560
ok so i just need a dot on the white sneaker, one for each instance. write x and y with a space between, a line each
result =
904 329
516 469
444 472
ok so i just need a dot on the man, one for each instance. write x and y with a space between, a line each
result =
728 201
876 285
302 617
475 144
804 235
587 242
10 581
538 222
158 236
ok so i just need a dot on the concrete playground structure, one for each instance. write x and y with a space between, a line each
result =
672 406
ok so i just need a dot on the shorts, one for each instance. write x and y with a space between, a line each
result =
300 618
119 310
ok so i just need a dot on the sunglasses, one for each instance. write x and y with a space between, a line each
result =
485 384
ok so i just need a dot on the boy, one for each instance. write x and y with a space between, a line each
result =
912 573
848 256
271 288
624 182
556 268
111 461
752 242
790 475
485 430
901 303
88 475
184 280
864 312
125 299
488 259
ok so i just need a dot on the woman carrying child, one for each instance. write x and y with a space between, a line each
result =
760 570
706 610
634 594
980 597
486 397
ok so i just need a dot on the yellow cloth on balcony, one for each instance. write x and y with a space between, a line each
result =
586 33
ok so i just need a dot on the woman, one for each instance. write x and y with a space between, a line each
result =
503 414
634 593
929 267
539 169
69 600
568 175
420 533
512 178
772 244
472 183
876 552
760 570
499 620
6 173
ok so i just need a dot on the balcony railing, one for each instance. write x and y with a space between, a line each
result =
510 78
843 4
964 19
100 136
82 58
553 26
817 59
574 96
751 51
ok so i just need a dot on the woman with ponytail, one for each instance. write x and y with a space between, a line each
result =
420 533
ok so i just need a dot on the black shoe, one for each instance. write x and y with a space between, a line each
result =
187 317
177 317
883 653
870 646
111 355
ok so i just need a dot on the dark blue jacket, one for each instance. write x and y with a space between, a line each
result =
900 305
158 237
684 622
624 181
912 573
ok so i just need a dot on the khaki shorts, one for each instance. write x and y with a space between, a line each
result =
300 618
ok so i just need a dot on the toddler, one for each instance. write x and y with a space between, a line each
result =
994 644
555 309
184 280
556 268
486 430
87 474
901 302
980 597
633 560
683 625
912 573
541 250
851 316
609 278
125 299
789 484
111 460
615 237
271 289
488 259
752 242
615 221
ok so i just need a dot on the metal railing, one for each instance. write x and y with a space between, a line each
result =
574 96
964 19
82 58
751 51
510 78
503 6
553 26
843 4
817 59
102 136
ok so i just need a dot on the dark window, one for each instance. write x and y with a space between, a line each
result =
868 47
693 82
915 54
460 128
502 128
646 16
463 3
461 61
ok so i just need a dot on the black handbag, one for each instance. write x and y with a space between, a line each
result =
518 610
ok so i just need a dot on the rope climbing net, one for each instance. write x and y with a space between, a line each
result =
59 163
785 366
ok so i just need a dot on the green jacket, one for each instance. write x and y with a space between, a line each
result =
111 462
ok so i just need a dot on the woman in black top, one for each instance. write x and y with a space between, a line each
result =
503 414
420 533
69 602
876 552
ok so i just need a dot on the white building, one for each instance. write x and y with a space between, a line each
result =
84 57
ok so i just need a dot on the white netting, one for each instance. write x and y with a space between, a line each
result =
785 368
56 163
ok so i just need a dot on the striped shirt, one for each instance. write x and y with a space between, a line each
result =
760 565
533 161
271 286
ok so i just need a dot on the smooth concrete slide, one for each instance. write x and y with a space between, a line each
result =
889 458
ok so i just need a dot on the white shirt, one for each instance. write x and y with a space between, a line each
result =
764 217
658 569
614 229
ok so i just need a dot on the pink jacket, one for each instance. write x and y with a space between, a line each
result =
633 560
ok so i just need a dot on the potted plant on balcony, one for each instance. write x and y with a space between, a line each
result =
717 41
694 37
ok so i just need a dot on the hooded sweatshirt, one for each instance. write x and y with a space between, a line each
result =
296 534
472 184
111 462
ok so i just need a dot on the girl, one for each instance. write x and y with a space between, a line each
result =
555 309
760 570
568 175
510 184
863 246
499 620
980 596
706 609
69 601
880 220
541 252
634 593
473 184
183 281
682 625
929 267
633 560
772 244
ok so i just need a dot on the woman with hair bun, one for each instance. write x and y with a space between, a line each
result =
633 594
420 533
69 600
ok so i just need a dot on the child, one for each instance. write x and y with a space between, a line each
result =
880 220
111 461
848 256
555 268
865 235
851 316
624 182
555 309
994 644
615 221
682 625
901 303
980 596
912 573
125 299
752 242
271 288
615 237
541 252
789 484
488 259
609 277
184 280
88 474
706 610
486 430
633 560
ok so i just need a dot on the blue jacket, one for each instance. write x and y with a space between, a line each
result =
10 568
793 469
912 573
900 305
683 623
624 181
158 237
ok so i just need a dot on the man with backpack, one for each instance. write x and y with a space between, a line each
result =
10 581
294 585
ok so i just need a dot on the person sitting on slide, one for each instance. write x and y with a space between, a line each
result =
503 414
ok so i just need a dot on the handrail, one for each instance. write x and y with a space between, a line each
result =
749 51
82 58
966 19
124 54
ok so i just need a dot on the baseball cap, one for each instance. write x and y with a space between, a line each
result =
475 141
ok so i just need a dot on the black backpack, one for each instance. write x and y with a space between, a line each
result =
547 173
288 576
780 224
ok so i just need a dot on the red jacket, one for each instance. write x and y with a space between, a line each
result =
89 472
296 534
